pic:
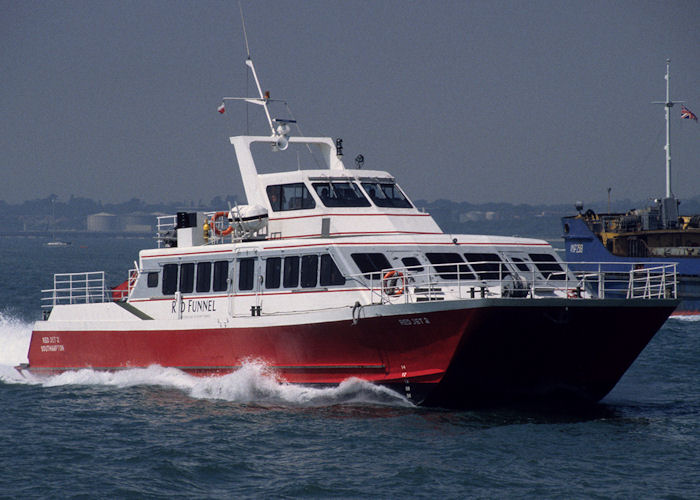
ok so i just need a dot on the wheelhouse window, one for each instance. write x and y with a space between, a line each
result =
548 266
220 283
449 266
187 277
285 197
290 278
169 279
370 264
273 271
487 266
309 271
203 277
246 273
386 194
330 274
340 194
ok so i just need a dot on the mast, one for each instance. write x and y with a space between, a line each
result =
669 105
669 204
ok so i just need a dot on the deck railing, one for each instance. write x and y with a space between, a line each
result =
574 280
75 288
85 288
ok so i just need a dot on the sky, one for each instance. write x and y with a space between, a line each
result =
536 102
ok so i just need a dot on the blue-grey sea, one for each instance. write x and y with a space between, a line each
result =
159 433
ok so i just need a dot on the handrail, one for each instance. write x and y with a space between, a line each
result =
589 280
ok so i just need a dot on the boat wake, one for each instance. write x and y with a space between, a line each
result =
254 382
691 318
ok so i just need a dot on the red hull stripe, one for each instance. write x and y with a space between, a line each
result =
348 215
405 243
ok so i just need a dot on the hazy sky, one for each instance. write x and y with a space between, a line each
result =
520 101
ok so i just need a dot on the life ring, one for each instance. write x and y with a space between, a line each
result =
390 283
572 293
218 231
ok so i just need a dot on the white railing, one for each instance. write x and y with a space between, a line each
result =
75 288
574 280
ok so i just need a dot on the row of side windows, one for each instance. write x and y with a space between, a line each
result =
181 277
452 265
307 271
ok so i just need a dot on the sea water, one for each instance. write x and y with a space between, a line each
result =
160 433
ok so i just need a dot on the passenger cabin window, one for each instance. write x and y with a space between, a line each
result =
246 274
169 279
449 266
548 266
291 272
152 280
220 283
386 194
413 263
273 271
285 197
330 274
187 277
340 194
520 264
309 271
203 277
370 264
487 266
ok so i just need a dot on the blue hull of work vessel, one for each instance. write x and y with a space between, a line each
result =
582 245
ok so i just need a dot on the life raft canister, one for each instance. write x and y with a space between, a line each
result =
218 231
390 283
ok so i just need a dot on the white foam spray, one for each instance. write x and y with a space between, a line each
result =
254 382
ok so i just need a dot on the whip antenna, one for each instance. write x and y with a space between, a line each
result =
245 35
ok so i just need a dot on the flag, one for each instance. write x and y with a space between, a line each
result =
686 114
221 109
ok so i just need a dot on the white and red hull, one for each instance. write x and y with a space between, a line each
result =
452 354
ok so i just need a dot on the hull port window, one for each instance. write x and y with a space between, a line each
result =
285 197
273 271
487 266
371 263
169 279
309 271
152 280
187 277
340 194
291 272
203 277
220 276
547 265
449 266
246 274
330 274
386 194
413 264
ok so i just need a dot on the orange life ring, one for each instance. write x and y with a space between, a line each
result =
218 231
390 283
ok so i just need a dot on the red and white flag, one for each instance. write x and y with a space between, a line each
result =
221 109
686 114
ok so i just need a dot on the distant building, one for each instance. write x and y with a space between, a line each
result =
103 223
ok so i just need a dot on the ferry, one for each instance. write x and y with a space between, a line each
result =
329 273
656 233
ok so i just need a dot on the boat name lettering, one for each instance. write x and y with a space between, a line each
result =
195 305
414 321
53 344
576 248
